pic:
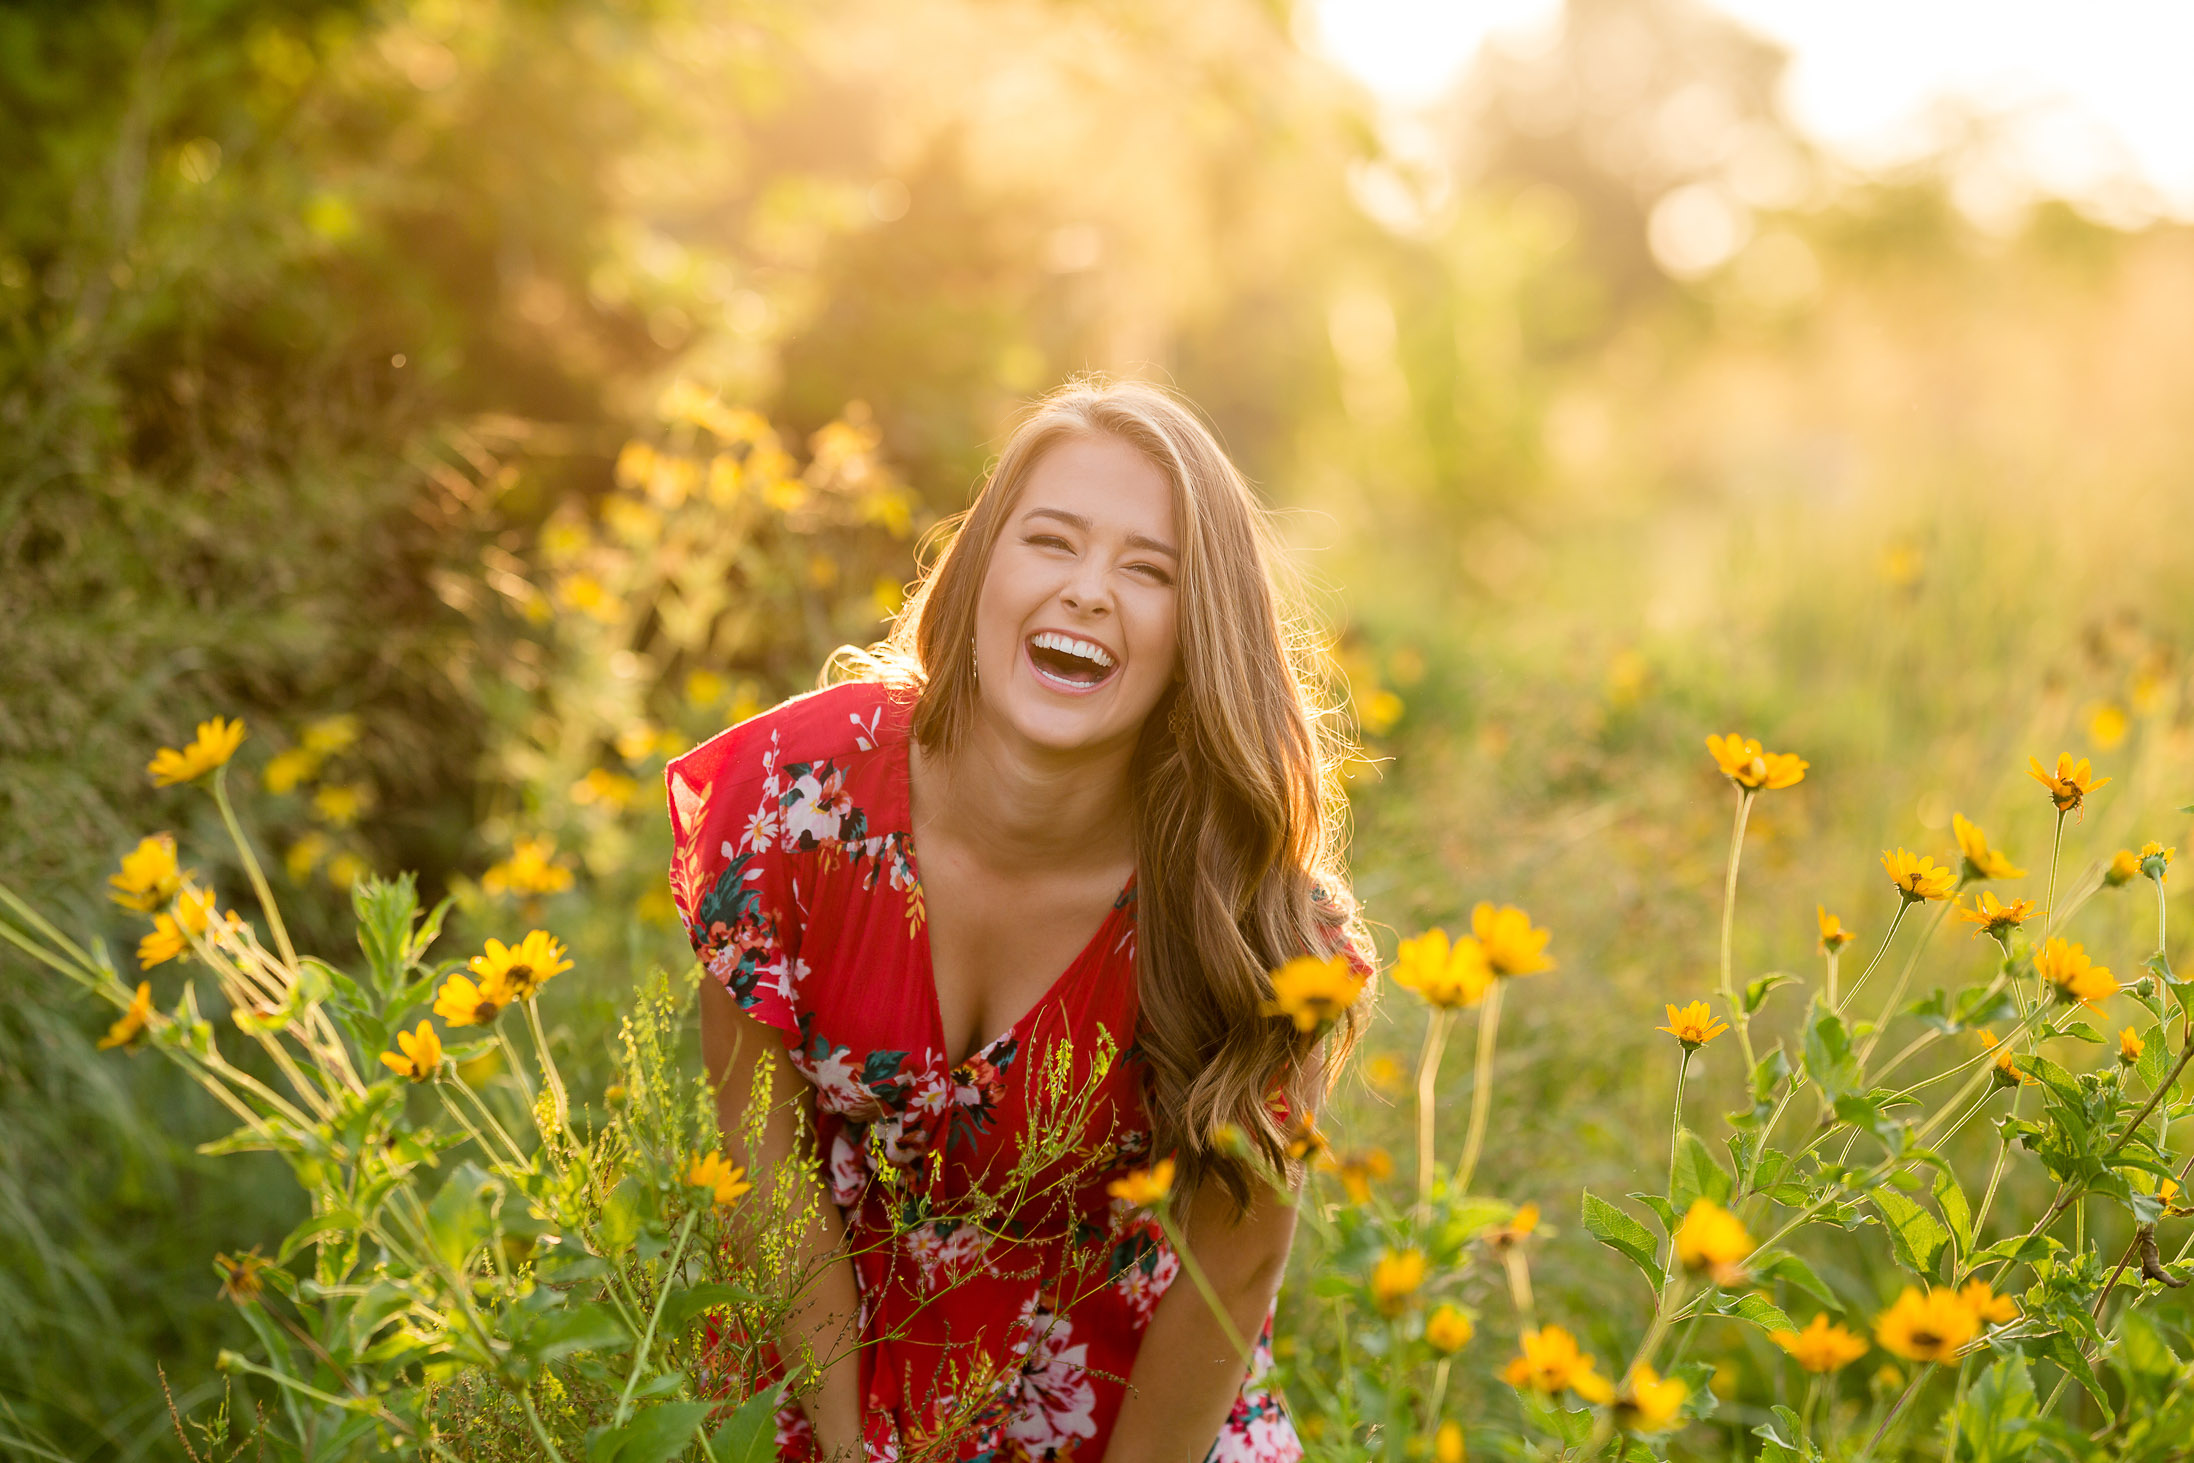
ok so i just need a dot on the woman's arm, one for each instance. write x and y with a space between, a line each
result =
1188 1373
733 1045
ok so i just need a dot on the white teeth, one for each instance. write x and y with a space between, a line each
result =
1068 645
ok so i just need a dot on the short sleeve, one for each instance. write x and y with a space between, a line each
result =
734 881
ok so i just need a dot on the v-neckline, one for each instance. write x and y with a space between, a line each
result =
927 950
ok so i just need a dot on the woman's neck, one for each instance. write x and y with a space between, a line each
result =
1019 807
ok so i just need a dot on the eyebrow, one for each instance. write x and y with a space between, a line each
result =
1077 521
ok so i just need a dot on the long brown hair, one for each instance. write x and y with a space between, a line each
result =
1237 817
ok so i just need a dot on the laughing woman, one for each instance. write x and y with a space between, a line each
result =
1082 793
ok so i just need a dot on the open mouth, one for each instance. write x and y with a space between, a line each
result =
1069 663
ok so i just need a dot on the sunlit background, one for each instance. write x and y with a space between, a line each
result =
1625 370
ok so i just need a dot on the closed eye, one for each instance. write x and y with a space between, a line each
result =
1151 572
1048 541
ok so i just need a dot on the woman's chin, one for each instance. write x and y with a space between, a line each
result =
1089 722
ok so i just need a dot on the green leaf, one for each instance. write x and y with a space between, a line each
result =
654 1436
335 1221
1760 988
683 1306
1698 1377
2159 965
1663 1211
1757 1309
2001 1416
1916 1236
385 910
1829 1060
1956 1213
581 1328
1697 1176
2021 1249
2081 1031
1626 1236
750 1435
457 1220
1788 1268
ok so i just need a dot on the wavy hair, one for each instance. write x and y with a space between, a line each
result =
1238 819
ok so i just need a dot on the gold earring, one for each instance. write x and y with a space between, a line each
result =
974 666
1177 718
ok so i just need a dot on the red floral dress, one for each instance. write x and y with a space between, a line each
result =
995 1337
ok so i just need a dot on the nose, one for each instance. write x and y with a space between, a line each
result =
1088 592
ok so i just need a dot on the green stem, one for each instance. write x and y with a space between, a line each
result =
549 1074
538 1430
1729 920
1481 1089
1957 1407
1428 1081
1891 1416
251 867
1676 1125
2049 909
655 1317
1904 979
68 946
1879 952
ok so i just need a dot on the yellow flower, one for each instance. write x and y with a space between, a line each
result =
1931 1327
1995 918
304 856
2155 858
1145 1187
2070 784
1358 1171
331 734
1397 1277
286 769
1551 1362
1694 1026
1822 1346
2130 1046
1445 975
1713 1239
1519 1227
2167 1194
1384 1074
2076 977
240 1280
523 968
461 1003
1986 1305
1311 991
216 742
133 1020
1510 944
1648 1402
2007 1069
1744 763
340 803
149 876
610 789
636 741
420 1054
1980 861
346 869
1833 934
169 939
1448 1329
1447 1443
2124 868
724 1182
1303 1138
705 688
1918 878
530 869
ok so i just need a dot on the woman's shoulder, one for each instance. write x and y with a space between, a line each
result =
834 724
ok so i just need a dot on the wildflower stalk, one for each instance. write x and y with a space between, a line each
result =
1911 1390
1428 1077
549 1074
2056 845
1481 1089
655 1318
1883 949
1729 917
1676 1124
534 1418
1957 1404
46 929
1904 979
252 870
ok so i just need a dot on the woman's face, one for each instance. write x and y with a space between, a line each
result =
1076 628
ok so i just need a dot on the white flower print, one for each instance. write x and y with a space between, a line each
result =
1051 1401
848 1169
838 1084
763 825
945 1251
